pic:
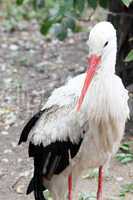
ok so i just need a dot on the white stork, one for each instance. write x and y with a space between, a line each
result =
82 123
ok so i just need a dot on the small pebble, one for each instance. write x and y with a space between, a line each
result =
7 151
71 41
20 189
59 60
8 81
11 118
13 47
7 127
26 173
5 160
14 144
19 160
3 67
119 179
4 132
4 46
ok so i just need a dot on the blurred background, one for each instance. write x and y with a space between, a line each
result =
42 45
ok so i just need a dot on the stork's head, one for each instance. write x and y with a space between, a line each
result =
102 40
102 48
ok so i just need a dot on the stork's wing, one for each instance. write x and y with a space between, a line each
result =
31 123
58 119
57 133
50 160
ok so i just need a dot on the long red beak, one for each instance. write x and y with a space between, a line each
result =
93 63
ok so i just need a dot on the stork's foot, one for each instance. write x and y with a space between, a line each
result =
100 183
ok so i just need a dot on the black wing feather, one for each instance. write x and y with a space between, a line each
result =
48 154
30 186
50 160
38 187
26 130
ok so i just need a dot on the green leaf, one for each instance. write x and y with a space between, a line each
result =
92 3
127 188
124 147
86 196
39 4
60 31
129 57
104 3
19 2
69 22
79 5
124 158
127 2
45 26
91 174
127 160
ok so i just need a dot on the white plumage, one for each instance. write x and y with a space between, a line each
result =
102 115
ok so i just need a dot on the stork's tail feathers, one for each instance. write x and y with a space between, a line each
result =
30 187
38 191
29 126
35 187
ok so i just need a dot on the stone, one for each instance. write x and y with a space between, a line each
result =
14 47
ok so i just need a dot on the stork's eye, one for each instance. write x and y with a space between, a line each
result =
106 44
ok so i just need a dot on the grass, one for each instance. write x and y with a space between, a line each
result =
47 195
92 173
125 154
82 196
124 191
86 196
126 188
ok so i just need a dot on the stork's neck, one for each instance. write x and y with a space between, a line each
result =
109 60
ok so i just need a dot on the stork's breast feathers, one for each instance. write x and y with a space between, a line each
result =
107 97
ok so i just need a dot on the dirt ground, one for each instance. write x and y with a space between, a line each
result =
30 68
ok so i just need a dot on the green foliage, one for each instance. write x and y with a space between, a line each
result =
104 3
129 57
125 155
86 196
79 5
45 26
47 195
62 15
13 14
38 3
92 3
19 2
127 2
57 19
59 31
127 188
93 173
69 22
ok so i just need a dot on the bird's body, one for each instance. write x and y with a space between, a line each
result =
65 140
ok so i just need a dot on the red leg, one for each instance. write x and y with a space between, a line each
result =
100 183
70 187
